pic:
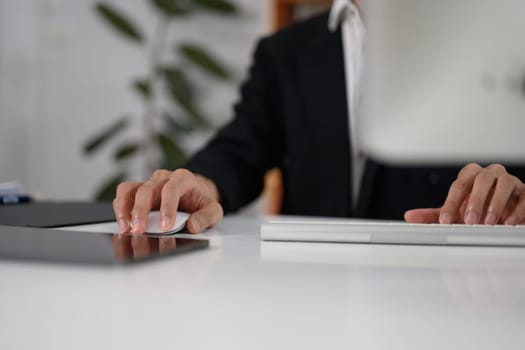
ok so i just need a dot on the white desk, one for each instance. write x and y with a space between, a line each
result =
244 294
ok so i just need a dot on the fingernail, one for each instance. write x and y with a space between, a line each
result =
135 225
165 222
196 225
490 219
471 218
511 220
123 225
445 218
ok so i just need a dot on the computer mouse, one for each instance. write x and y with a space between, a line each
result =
154 223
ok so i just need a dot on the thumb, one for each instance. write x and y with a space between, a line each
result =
207 216
423 216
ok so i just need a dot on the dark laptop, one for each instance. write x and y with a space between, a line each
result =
56 214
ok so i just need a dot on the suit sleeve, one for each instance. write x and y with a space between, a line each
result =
239 155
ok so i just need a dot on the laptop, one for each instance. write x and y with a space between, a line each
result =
445 82
56 214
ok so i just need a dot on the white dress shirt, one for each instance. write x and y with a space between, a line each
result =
344 13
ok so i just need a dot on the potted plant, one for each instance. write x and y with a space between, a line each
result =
161 127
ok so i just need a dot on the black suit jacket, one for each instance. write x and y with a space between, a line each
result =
292 114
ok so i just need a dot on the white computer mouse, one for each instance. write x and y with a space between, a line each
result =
154 223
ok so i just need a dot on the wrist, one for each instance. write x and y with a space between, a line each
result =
209 186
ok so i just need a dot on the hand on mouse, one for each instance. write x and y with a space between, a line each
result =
168 191
480 195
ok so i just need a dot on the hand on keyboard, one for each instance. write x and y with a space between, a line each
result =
480 195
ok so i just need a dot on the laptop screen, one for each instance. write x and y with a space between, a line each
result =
445 81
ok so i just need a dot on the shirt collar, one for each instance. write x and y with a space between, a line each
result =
339 11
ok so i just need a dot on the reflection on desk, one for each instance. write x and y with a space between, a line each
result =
408 256
77 247
478 278
241 294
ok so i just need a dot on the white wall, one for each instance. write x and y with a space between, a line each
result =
64 75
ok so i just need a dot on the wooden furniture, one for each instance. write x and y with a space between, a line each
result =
285 11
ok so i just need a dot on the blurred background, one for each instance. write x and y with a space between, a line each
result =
74 88
65 77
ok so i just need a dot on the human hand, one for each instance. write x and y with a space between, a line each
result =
480 195
168 191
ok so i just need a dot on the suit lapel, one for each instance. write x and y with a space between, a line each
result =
323 88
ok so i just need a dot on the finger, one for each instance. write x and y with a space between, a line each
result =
462 210
147 194
180 183
123 204
484 183
505 186
517 216
422 216
459 190
207 216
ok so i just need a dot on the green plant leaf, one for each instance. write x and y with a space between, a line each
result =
178 84
204 60
108 189
171 8
173 124
119 22
173 156
220 6
97 141
127 150
194 113
181 91
143 87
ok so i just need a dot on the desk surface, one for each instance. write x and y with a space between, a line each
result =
246 294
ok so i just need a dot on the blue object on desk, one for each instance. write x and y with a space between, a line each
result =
14 199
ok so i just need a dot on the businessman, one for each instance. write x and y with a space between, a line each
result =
296 112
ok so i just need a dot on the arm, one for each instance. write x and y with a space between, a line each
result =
237 158
480 195
232 164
